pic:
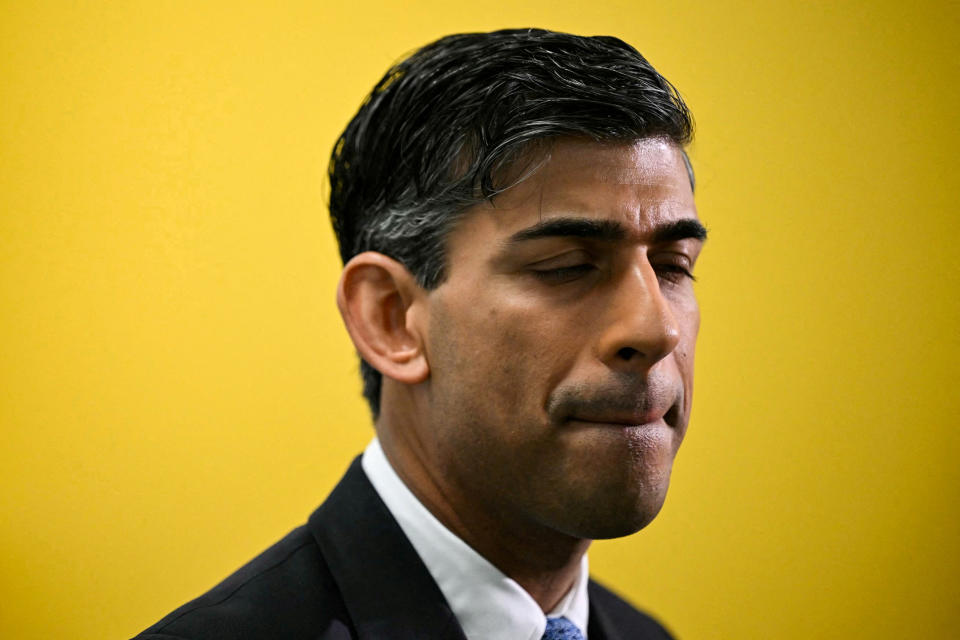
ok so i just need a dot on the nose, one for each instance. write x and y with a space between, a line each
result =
640 328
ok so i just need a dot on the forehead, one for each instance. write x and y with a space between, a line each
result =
641 184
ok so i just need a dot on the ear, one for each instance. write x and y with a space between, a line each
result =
378 299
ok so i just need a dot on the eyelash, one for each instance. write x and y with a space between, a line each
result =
673 273
677 272
564 274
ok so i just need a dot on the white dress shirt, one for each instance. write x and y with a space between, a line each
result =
488 604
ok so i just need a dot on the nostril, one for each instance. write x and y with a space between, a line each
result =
627 353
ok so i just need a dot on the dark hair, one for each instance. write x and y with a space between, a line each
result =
439 129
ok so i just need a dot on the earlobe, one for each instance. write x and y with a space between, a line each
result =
376 297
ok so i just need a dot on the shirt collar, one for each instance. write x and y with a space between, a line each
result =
488 604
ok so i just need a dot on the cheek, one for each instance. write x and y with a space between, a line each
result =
514 362
686 348
505 356
684 353
686 311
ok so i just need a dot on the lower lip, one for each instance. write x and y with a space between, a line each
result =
659 422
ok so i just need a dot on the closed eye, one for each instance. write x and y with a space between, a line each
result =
674 273
561 275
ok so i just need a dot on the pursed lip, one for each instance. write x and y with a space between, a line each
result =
621 403
650 417
668 414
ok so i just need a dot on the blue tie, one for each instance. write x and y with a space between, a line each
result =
561 629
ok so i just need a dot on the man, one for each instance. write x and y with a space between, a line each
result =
515 213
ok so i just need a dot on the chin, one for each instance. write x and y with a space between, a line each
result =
625 522
599 517
627 497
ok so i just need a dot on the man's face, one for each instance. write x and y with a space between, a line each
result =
561 343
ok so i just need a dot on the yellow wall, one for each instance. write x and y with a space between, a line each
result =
176 390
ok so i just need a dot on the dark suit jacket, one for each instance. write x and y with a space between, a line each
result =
350 572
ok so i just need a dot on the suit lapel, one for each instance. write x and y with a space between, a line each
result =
599 626
386 588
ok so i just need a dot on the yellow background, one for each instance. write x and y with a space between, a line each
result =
176 390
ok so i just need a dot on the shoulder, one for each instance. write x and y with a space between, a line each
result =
620 619
285 592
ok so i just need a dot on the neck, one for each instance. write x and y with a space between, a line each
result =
544 562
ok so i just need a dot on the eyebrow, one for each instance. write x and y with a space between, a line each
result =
608 230
686 228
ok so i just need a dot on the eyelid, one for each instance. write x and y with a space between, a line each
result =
674 271
565 259
677 257
674 266
679 271
562 275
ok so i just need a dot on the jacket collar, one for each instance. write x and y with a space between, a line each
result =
599 627
386 588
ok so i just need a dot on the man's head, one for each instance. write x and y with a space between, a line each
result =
516 215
